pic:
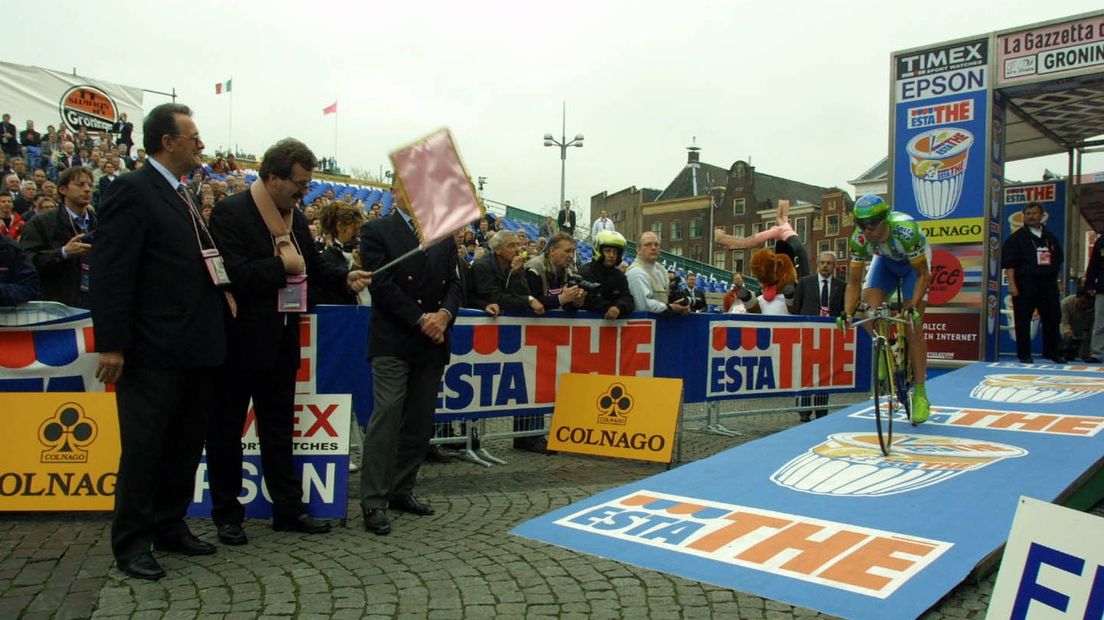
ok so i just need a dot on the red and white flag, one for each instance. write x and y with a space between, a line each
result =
330 109
435 185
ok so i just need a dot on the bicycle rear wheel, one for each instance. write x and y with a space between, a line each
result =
884 404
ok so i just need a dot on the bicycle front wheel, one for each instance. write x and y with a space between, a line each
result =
884 398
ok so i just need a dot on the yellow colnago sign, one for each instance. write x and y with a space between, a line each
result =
960 230
62 451
625 417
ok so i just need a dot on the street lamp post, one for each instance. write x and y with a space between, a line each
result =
563 144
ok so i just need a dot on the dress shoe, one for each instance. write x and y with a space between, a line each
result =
232 534
1091 360
302 523
376 521
1026 360
1058 359
434 454
185 545
141 566
411 503
805 416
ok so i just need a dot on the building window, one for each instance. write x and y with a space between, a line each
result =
738 230
719 259
824 246
696 252
841 248
696 228
675 250
738 206
657 228
833 225
737 264
818 222
801 229
676 230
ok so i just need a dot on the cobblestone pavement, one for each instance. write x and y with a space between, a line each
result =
460 562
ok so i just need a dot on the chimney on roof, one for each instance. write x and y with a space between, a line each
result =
692 155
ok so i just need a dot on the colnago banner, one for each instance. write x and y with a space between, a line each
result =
940 166
64 99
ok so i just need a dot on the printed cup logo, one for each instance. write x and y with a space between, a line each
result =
66 434
851 464
88 107
1036 388
614 405
938 158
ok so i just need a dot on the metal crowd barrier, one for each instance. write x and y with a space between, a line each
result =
35 313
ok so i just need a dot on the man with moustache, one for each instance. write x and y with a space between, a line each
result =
270 257
157 315
1032 262
60 241
819 294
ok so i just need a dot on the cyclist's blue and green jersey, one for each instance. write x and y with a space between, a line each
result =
892 260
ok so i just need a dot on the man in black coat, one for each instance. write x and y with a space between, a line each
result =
1032 262
18 279
1094 282
125 129
414 304
268 269
819 294
565 220
60 241
157 309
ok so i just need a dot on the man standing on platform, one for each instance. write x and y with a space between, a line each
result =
157 308
1032 263
819 294
269 257
565 221
413 306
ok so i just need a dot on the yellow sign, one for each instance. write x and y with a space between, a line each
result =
960 230
61 452
625 417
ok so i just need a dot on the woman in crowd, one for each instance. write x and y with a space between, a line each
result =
339 224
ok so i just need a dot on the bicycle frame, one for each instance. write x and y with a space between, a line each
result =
882 319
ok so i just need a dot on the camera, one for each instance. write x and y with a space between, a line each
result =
582 283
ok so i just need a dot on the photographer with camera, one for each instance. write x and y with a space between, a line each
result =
611 297
59 241
551 275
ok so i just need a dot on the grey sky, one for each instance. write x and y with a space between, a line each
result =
802 88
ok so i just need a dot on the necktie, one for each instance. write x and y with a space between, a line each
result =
824 293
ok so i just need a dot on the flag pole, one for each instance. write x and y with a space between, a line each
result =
230 122
335 137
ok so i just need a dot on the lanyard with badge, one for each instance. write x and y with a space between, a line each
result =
211 257
293 296
1042 253
89 232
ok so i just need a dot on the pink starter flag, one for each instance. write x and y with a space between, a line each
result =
330 109
436 186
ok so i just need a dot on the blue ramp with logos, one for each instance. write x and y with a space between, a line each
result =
815 516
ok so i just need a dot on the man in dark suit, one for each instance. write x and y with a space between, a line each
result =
413 307
157 308
9 142
695 296
565 220
819 294
61 240
125 129
269 257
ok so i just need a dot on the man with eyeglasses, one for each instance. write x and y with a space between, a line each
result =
270 257
900 258
648 280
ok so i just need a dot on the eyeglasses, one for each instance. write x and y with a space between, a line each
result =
194 138
304 184
870 223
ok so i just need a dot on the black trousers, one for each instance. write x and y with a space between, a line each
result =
273 394
1037 294
162 420
813 400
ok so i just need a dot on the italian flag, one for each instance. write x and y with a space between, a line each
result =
223 87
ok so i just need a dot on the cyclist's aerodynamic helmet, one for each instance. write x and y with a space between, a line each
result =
610 239
871 210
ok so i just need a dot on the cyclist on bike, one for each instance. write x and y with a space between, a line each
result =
899 255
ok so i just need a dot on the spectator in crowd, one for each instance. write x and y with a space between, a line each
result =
547 227
125 130
206 206
1032 260
9 138
106 179
500 276
24 202
66 158
61 241
47 149
11 223
694 295
819 294
232 166
414 304
18 167
339 224
31 139
156 307
480 235
648 280
602 223
1094 285
612 298
738 298
270 259
13 185
18 278
38 175
1077 324
44 204
565 220
49 189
